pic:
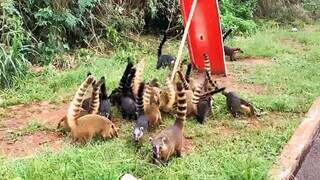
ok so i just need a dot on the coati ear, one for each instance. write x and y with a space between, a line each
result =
163 139
141 128
150 139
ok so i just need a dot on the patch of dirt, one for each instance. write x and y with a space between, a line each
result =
231 85
30 144
18 117
188 146
225 131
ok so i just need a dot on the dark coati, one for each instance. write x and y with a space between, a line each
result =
231 52
164 59
236 105
205 105
84 128
122 96
147 117
170 141
105 105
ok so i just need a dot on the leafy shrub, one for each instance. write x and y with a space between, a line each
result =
14 47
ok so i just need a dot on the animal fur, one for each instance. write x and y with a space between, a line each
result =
170 141
149 116
231 52
84 128
167 97
164 60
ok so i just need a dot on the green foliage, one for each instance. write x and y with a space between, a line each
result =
14 44
238 15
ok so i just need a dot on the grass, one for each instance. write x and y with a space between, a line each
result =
223 148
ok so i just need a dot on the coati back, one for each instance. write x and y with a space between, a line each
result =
237 105
84 128
170 141
167 96
164 59
231 52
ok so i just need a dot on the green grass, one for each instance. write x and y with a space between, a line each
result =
223 148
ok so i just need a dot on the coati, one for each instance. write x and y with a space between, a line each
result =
105 105
170 141
88 106
205 105
147 117
164 59
122 96
236 105
167 97
231 52
84 128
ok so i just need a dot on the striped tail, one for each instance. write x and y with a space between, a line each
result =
185 83
138 77
206 62
212 83
147 95
139 100
95 98
211 93
128 86
181 106
125 75
75 105
197 94
171 93
188 72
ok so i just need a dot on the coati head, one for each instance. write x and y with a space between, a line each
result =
63 125
159 145
138 133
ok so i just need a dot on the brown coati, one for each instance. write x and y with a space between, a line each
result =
147 117
89 107
84 128
170 141
167 97
231 52
164 60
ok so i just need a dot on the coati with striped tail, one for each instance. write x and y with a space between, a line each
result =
88 106
170 141
167 97
147 117
228 51
123 97
84 128
236 105
164 60
138 78
105 105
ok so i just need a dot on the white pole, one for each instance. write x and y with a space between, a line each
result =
184 38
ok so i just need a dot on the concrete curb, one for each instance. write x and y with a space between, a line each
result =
298 146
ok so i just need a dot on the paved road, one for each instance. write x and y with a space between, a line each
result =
310 168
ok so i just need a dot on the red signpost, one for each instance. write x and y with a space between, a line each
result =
205 34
